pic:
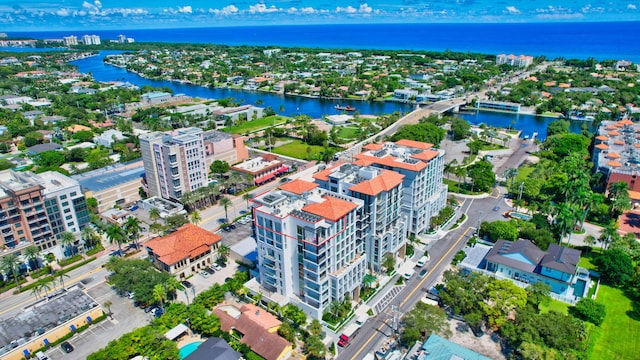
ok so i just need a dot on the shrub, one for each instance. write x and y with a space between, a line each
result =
589 310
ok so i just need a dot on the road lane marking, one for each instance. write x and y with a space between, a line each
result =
379 329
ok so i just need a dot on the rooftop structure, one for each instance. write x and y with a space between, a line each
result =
263 168
617 152
438 348
214 349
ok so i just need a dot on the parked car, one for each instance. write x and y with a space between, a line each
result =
204 274
232 226
423 273
186 284
210 270
158 312
66 347
227 228
217 267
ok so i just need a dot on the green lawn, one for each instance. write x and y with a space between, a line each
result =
523 173
349 132
297 149
555 305
253 125
620 333
586 263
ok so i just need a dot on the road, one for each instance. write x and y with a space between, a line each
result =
441 252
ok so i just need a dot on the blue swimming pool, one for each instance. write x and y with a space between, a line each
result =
578 288
520 216
188 349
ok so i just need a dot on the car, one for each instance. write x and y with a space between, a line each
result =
210 270
204 274
130 294
66 347
227 228
242 212
423 273
158 312
217 267
496 208
232 226
186 284
149 309
284 180
408 274
222 221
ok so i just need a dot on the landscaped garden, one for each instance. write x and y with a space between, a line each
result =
620 329
253 125
297 149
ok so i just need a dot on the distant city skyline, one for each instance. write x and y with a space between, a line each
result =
39 15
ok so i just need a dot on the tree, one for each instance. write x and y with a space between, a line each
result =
195 217
160 294
504 298
68 239
619 198
132 227
459 128
246 197
315 327
108 304
225 202
482 175
389 263
89 236
115 234
422 321
61 275
32 254
315 347
558 127
615 267
287 331
50 158
589 310
9 264
425 132
538 294
223 252
496 230
294 314
219 167
92 205
154 214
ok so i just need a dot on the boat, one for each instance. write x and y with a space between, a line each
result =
345 108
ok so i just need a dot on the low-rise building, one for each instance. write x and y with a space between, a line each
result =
185 251
263 168
154 98
222 146
256 328
116 184
108 137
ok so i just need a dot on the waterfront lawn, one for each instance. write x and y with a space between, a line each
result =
254 125
465 188
555 305
523 173
620 332
297 149
349 132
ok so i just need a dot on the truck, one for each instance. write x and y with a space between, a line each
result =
349 333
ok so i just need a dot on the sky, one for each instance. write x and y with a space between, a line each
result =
38 15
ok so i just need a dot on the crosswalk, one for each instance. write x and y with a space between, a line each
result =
384 302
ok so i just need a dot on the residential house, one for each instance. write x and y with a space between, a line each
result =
257 329
185 251
263 168
108 137
438 348
214 349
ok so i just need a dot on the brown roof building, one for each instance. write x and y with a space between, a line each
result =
184 251
257 328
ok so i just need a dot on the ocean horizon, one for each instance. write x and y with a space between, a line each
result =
569 40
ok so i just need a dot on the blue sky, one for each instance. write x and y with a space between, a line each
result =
37 15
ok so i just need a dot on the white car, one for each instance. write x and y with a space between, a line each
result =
217 267
408 274
204 274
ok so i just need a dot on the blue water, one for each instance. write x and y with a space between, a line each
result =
579 40
578 288
188 349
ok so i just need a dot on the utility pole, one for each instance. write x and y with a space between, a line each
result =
520 193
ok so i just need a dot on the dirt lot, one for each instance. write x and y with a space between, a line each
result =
486 345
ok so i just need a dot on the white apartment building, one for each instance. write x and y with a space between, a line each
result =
423 192
174 163
513 60
91 39
382 221
70 40
64 202
309 248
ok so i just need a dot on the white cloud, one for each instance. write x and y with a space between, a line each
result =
308 10
63 12
631 6
512 10
362 9
227 10
349 9
366 9
262 8
185 9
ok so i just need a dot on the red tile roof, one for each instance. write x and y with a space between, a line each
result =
188 241
386 181
298 186
257 327
324 174
614 163
613 155
332 208
392 162
414 144
426 155
602 138
602 146
373 147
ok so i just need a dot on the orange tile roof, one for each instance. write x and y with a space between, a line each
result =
610 127
602 146
618 124
386 181
414 144
260 316
426 155
618 142
362 162
614 163
614 133
636 146
602 138
188 241
634 195
332 208
298 186
373 147
613 155
626 122
324 174
392 162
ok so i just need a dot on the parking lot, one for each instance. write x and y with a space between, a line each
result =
126 317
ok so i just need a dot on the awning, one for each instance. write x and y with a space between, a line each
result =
283 169
72 327
264 178
176 331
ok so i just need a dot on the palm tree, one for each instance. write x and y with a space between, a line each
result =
246 197
35 291
32 254
234 179
171 285
61 275
68 239
225 202
115 234
608 233
9 264
518 203
132 229
108 304
45 286
223 252
195 217
160 295
89 235
154 214
590 240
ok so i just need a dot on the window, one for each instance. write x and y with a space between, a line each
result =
73 194
62 197
68 217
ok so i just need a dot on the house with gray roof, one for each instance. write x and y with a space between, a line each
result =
524 262
214 349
